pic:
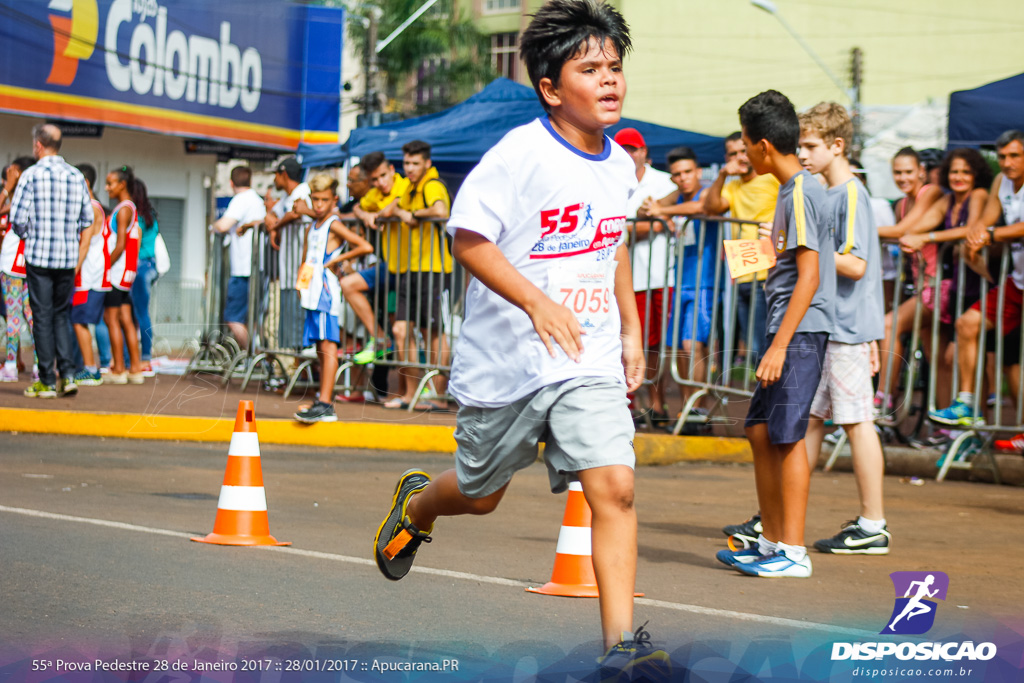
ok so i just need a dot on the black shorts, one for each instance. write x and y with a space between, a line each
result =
116 298
419 298
786 405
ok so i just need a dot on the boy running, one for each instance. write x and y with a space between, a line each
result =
851 357
545 280
319 291
800 290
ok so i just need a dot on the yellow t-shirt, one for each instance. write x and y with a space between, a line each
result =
375 200
752 201
425 243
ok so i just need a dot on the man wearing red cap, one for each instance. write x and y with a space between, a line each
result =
650 260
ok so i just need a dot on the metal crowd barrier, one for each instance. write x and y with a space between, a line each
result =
900 370
972 447
266 359
448 288
716 379
213 350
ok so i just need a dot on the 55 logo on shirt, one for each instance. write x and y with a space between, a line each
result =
563 221
564 232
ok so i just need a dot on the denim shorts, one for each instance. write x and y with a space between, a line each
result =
236 308
785 406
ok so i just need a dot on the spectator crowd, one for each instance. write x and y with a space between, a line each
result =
369 276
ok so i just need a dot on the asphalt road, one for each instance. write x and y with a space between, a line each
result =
95 562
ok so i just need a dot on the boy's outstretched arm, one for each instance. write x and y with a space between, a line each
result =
632 342
485 261
770 369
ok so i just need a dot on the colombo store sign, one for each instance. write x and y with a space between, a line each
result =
214 70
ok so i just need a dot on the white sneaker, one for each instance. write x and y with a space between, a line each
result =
117 378
777 564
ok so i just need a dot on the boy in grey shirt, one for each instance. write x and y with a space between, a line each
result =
851 358
800 290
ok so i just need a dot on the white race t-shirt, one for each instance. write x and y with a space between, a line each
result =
290 237
558 216
245 207
651 251
1013 212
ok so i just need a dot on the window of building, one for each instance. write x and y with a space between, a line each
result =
501 5
428 91
505 55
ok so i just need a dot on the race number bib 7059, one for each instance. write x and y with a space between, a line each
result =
585 289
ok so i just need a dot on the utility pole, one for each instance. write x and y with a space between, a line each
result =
856 77
371 96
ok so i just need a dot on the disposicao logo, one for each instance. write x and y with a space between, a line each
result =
75 27
914 612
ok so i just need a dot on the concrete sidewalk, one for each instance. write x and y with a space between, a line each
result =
198 408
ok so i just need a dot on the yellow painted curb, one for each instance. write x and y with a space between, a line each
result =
651 449
381 436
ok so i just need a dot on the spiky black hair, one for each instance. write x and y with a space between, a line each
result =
561 30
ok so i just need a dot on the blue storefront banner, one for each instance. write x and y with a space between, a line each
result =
260 73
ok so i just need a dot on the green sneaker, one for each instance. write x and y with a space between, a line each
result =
397 539
68 387
39 390
369 353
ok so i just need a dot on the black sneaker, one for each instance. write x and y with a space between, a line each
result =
634 659
746 533
318 412
853 540
397 539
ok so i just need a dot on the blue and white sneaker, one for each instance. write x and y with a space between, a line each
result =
731 558
957 414
777 565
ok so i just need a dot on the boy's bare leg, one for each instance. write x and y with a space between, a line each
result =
442 498
439 345
85 344
868 467
813 440
794 486
768 481
328 353
405 345
609 492
655 388
354 288
241 334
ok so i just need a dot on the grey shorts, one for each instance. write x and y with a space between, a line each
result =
584 422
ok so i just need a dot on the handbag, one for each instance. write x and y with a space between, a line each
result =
163 259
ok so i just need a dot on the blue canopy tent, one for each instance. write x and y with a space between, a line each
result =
460 136
977 117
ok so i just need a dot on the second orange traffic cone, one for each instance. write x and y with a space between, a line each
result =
573 575
242 509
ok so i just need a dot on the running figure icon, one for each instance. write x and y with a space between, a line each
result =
915 606
588 219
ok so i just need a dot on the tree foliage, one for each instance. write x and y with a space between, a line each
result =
456 53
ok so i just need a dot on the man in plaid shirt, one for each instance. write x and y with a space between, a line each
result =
49 209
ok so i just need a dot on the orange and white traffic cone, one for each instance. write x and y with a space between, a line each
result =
573 575
242 508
